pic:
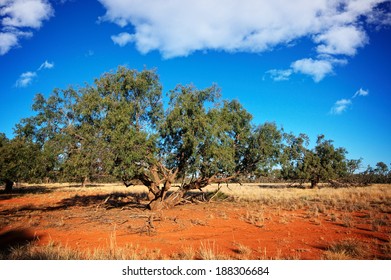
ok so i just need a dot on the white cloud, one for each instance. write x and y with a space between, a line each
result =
122 39
340 106
318 69
380 16
46 65
361 92
25 79
178 28
341 40
18 17
279 75
7 41
25 13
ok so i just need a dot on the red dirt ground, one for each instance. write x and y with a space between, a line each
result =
85 222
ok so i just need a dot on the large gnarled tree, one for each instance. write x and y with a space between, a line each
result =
118 127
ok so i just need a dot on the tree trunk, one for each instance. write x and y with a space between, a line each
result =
154 192
158 203
8 186
84 182
314 182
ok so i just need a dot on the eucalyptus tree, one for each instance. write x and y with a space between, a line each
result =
203 141
104 129
19 160
293 157
118 127
381 168
266 148
129 107
322 163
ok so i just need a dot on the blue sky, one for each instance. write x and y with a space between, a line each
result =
310 66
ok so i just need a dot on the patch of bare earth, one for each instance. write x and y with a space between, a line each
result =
247 222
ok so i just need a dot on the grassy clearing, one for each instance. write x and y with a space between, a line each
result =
275 195
374 202
343 199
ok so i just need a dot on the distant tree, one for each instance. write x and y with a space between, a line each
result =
54 131
381 168
19 160
323 163
265 148
381 174
293 157
353 165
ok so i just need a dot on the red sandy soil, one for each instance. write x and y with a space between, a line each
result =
88 221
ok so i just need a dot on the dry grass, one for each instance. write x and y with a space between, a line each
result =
348 249
316 203
276 195
187 253
255 218
243 251
209 251
48 252
347 221
386 249
54 251
320 200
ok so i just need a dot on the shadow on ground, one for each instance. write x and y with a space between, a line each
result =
107 201
21 191
15 238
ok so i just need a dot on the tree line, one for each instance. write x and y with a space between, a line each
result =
119 128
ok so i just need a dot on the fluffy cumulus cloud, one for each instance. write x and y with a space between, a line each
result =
179 28
19 18
318 69
122 39
343 40
7 41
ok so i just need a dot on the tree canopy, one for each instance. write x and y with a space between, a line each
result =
120 127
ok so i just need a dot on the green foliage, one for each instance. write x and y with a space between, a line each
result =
204 139
292 159
105 129
265 149
381 168
323 163
380 174
19 160
117 127
129 106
